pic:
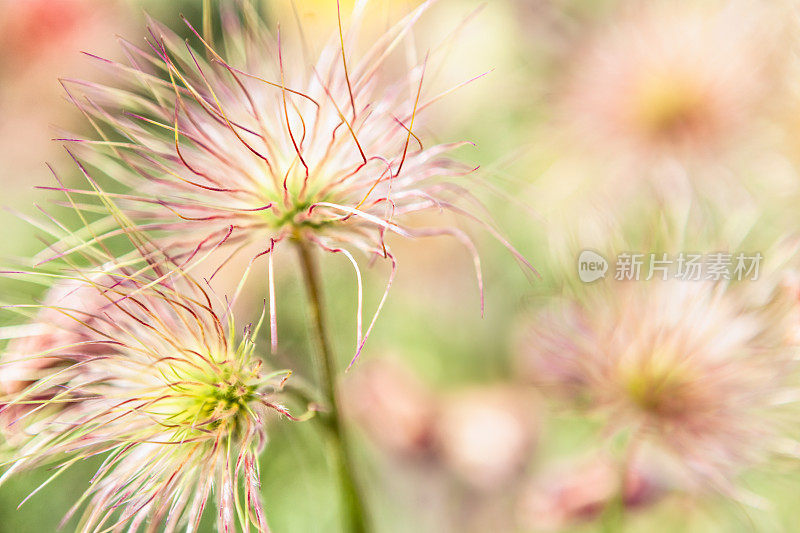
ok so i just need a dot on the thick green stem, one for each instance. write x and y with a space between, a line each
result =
352 502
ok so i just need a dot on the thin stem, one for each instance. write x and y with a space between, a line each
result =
352 502
613 517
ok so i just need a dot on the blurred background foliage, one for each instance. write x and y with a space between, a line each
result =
428 466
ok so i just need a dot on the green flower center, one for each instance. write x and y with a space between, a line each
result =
219 399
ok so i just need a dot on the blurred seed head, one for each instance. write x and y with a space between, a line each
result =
667 81
684 366
51 329
550 352
60 335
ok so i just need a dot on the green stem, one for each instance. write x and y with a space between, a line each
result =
352 502
613 517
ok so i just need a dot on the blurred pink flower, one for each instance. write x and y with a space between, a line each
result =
481 436
549 352
393 406
39 41
486 436
34 30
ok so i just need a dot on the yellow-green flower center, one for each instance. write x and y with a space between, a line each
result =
218 399
658 386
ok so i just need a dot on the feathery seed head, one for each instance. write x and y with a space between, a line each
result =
663 82
254 145
150 376
684 366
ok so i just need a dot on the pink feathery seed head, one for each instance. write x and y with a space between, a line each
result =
664 81
685 366
256 142
155 381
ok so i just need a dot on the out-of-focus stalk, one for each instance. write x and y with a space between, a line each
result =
208 25
613 517
351 499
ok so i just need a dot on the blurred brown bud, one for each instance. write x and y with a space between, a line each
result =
582 492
